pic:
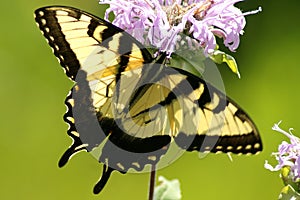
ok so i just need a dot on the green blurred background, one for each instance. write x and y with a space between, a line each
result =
33 134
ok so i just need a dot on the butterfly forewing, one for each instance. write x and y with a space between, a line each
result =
223 125
81 40
196 114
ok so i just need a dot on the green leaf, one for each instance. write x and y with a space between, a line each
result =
288 193
190 61
288 178
167 189
221 57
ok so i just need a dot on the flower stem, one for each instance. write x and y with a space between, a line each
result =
152 182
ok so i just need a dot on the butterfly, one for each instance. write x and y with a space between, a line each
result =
132 106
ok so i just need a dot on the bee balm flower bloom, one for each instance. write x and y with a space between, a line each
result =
160 22
288 155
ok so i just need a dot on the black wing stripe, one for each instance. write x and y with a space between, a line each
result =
51 29
183 88
247 143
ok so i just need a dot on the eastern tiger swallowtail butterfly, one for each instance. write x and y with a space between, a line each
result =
131 104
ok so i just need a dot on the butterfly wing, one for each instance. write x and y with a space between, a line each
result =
171 101
222 126
93 54
156 100
83 41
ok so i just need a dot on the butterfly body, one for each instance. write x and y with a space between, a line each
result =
133 105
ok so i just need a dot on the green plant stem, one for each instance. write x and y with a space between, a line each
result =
152 182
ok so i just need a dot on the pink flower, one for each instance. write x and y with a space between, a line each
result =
159 23
288 155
